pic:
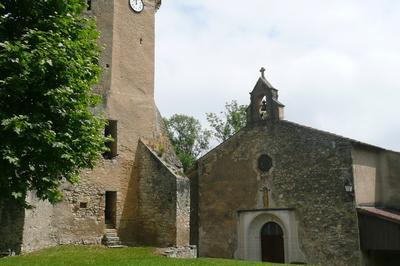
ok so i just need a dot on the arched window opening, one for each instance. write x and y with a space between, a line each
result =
272 243
263 108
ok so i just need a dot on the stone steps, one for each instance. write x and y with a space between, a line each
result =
111 239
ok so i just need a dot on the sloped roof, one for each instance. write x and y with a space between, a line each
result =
387 214
352 141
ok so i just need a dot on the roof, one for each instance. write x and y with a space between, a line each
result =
279 103
267 83
353 141
387 214
263 81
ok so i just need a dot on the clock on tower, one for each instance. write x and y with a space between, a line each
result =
136 5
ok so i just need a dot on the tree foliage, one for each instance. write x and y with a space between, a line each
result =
49 62
227 123
187 137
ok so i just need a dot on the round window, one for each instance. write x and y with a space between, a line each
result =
264 163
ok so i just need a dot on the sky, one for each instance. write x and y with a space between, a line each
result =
336 64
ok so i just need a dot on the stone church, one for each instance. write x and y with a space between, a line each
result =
276 191
137 194
281 192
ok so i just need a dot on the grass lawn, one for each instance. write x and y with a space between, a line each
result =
99 255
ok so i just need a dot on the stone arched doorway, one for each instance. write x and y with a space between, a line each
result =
272 243
251 223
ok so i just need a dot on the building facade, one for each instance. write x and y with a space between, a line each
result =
282 192
136 195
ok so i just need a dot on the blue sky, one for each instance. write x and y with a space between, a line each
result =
336 64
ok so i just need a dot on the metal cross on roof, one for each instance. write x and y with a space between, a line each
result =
262 70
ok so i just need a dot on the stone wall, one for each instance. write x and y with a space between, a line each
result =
365 164
308 174
130 101
79 219
376 176
162 202
181 252
103 12
151 200
182 211
193 176
38 229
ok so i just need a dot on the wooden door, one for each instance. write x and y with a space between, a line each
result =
272 243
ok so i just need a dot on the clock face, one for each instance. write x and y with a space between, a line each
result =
136 5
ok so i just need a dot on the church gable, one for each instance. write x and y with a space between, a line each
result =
294 189
276 171
277 167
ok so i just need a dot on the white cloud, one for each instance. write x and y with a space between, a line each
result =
335 63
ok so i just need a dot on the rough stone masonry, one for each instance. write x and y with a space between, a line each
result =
277 185
139 188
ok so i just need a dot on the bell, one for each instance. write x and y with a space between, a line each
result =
263 106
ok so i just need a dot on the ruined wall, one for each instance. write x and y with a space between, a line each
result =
308 173
182 211
193 176
127 85
162 200
79 219
38 230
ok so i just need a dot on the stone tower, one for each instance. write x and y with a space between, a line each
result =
137 189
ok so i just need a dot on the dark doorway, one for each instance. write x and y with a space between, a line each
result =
110 212
272 246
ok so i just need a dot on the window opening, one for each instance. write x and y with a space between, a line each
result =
111 130
264 163
263 108
89 5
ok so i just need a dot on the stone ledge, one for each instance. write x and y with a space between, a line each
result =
183 252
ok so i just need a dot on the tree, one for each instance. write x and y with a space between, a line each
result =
49 63
187 137
227 123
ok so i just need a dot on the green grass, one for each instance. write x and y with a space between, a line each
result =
99 256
